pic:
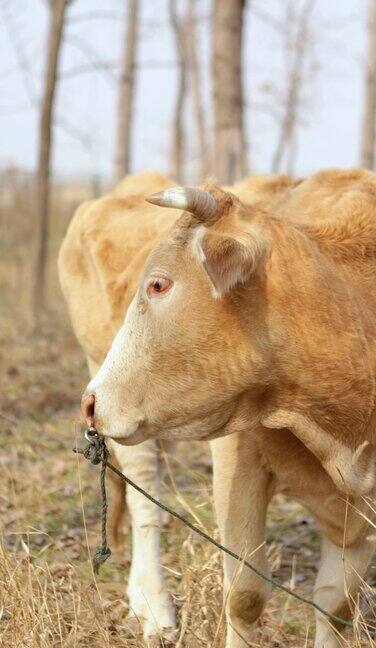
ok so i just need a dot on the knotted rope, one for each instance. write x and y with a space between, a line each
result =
96 452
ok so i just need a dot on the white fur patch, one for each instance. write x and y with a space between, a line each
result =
106 384
196 246
149 600
198 255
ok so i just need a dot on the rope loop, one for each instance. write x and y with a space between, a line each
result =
96 452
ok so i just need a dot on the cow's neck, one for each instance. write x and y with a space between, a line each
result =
321 383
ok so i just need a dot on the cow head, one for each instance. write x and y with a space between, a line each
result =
191 355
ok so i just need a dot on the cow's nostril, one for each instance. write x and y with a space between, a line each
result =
88 408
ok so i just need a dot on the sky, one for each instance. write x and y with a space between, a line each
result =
330 121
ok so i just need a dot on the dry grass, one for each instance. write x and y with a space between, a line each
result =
48 594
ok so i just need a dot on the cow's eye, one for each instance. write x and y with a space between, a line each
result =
158 286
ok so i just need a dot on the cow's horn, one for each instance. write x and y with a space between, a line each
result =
196 201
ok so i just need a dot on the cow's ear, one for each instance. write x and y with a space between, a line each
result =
228 260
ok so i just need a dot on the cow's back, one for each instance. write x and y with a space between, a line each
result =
265 189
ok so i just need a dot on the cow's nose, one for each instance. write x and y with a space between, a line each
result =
88 407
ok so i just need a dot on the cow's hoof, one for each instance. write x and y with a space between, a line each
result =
167 638
154 612
154 635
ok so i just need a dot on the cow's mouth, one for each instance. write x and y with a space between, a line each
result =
136 437
122 431
205 427
202 428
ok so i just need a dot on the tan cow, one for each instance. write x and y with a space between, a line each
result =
100 260
256 327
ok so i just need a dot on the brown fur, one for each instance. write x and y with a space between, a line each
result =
342 612
246 606
280 370
117 506
101 258
105 246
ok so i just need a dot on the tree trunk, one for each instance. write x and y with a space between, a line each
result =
230 157
126 94
369 116
198 110
42 184
298 46
177 145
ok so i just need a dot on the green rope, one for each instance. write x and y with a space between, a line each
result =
97 452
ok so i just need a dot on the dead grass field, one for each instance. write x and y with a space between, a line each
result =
49 504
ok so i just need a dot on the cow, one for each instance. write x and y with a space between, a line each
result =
254 327
99 264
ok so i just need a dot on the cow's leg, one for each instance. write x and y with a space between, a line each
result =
149 600
336 588
241 495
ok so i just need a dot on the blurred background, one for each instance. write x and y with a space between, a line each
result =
89 92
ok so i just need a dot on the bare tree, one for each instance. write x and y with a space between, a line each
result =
195 83
297 43
42 184
369 115
177 144
126 93
230 156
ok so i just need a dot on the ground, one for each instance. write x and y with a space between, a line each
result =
49 504
49 510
